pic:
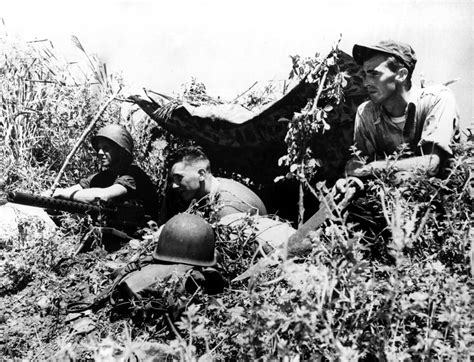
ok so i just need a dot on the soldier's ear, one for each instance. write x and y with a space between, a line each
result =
402 74
202 174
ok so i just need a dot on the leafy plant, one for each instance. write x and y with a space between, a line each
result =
329 80
390 284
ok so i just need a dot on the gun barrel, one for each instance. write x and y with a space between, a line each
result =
52 203
122 216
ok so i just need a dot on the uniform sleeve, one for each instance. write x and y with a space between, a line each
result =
127 181
442 120
86 182
363 138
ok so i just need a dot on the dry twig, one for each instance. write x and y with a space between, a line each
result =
81 139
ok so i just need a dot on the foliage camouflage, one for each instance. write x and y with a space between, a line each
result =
409 300
252 148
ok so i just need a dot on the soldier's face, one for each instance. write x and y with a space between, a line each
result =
380 81
187 180
108 154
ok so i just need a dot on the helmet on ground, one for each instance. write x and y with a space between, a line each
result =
117 134
186 239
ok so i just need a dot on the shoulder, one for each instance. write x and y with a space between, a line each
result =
433 92
234 190
226 184
435 89
367 110
136 175
366 106
435 99
238 198
367 115
135 171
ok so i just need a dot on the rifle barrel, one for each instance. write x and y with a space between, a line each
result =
122 216
52 203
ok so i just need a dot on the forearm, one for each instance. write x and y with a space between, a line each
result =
67 193
88 195
106 193
77 193
428 163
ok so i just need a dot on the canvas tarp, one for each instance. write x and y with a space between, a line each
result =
250 143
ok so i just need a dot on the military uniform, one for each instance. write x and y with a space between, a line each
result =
139 187
431 117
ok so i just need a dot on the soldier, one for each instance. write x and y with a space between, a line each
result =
119 178
193 183
185 248
425 119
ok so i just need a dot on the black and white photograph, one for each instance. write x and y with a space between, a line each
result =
254 180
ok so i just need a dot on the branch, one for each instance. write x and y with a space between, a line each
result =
173 327
320 91
81 139
241 94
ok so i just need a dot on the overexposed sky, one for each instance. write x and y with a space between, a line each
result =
228 45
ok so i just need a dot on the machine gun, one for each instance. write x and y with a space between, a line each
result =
109 218
123 216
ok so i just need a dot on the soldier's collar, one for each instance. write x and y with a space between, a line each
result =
214 185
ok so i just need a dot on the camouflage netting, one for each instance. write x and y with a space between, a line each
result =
250 143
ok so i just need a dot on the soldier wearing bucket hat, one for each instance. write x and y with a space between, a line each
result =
119 179
426 119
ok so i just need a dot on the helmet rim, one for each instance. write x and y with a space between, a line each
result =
186 239
178 260
116 134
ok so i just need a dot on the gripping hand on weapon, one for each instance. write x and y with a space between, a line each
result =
119 179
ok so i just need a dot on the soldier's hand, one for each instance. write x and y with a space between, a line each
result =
47 193
59 192
401 177
347 187
343 184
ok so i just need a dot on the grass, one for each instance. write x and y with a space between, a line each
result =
398 291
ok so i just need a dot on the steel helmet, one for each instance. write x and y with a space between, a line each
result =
186 239
117 134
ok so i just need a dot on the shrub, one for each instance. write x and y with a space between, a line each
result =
393 289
